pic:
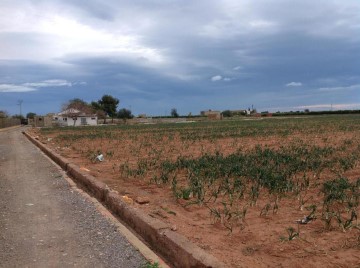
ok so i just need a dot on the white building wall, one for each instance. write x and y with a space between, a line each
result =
89 121
80 121
60 120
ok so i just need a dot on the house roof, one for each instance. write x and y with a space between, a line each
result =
72 112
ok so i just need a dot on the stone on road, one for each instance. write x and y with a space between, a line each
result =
44 223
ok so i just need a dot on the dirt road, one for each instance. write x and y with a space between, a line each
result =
44 222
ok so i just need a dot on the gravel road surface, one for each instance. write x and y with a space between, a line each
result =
44 222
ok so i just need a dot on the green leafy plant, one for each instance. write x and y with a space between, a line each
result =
291 234
341 200
151 265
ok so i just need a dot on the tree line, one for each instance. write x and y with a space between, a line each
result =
105 107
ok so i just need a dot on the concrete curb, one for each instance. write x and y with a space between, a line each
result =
175 248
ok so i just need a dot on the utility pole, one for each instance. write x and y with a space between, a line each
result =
20 103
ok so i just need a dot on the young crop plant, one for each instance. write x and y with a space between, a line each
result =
302 200
346 223
151 265
229 216
125 169
265 210
291 234
180 192
142 167
109 153
254 194
340 203
312 215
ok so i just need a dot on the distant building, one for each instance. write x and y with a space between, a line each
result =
40 121
213 115
74 117
238 112
266 113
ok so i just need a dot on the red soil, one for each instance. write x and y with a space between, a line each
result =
256 245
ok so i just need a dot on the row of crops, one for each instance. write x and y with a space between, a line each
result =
217 129
310 164
229 185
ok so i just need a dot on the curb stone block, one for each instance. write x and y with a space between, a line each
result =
143 224
97 188
61 161
189 254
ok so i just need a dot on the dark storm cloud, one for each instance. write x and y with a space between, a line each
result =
155 55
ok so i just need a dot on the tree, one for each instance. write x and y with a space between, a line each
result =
78 104
124 114
3 114
227 113
18 116
174 112
30 115
96 105
109 105
98 110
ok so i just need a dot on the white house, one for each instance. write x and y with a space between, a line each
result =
73 117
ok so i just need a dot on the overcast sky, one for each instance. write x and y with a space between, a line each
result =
155 55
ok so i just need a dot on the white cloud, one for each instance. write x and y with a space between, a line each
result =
184 77
331 89
5 88
56 35
261 24
236 68
79 83
216 78
49 83
27 87
337 106
236 21
294 84
219 77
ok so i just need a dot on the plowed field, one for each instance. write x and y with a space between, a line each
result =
275 192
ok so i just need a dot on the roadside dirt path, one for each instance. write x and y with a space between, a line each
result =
44 223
